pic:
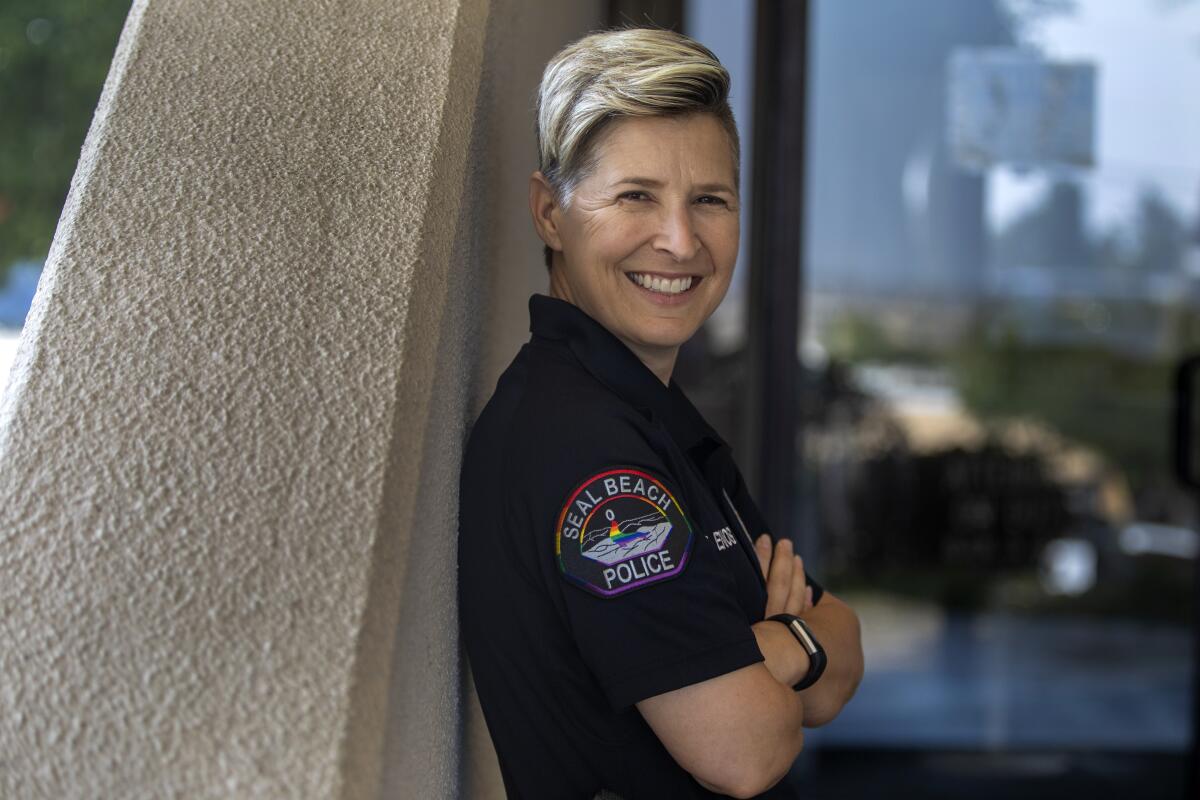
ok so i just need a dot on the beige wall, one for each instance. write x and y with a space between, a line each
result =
229 443
522 37
528 33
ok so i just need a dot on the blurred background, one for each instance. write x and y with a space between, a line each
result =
998 272
54 57
981 220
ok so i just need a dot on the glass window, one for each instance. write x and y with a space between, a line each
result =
1001 271
1001 274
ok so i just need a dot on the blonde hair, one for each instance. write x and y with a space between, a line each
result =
629 72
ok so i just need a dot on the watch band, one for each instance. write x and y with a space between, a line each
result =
816 654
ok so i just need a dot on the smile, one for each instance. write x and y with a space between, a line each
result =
668 286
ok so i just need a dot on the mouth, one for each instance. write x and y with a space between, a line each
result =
667 286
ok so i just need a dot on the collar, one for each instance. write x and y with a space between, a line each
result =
612 363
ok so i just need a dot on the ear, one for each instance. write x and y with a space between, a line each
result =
543 206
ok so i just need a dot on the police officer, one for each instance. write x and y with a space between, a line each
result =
632 627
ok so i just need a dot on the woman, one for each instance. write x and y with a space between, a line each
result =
616 612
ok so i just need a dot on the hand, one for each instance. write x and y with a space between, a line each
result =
787 590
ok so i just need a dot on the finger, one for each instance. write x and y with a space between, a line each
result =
762 548
795 603
807 598
779 580
803 578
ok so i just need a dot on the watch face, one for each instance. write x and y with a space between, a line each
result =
806 639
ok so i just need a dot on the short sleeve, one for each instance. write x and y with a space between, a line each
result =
650 610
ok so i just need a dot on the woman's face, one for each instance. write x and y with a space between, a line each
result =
650 238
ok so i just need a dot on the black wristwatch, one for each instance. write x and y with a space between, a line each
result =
816 653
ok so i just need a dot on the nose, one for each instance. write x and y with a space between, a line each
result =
677 234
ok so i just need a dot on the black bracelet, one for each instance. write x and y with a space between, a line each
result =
816 654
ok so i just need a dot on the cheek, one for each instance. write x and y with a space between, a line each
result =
614 237
721 236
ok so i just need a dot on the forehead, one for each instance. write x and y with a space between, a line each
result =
692 147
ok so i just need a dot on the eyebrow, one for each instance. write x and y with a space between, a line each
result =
651 183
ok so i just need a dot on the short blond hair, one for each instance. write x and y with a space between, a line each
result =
628 72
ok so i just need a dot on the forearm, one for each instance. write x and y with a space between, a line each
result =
737 733
836 627
785 658
771 740
776 729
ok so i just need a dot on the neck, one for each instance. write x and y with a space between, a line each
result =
659 360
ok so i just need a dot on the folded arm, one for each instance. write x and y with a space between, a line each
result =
836 627
833 623
737 733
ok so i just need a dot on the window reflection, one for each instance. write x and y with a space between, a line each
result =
986 361
988 460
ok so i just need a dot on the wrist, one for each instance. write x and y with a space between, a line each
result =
787 662
807 641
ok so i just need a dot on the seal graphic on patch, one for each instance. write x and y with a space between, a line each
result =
619 530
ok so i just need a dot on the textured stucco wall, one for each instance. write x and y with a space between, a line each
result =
213 445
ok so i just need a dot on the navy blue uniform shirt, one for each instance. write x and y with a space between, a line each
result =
605 556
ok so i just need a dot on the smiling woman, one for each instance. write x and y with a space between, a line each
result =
651 232
633 630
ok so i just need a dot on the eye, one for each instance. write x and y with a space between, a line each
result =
633 195
710 200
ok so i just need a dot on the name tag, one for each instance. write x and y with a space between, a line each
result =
724 538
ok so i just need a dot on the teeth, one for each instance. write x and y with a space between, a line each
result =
656 284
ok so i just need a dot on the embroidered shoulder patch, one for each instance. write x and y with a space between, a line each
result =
619 530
